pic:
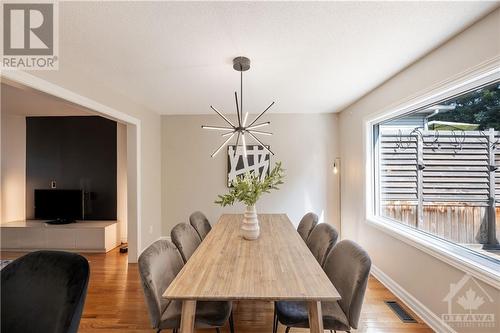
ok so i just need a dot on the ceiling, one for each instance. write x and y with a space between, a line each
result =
21 101
310 57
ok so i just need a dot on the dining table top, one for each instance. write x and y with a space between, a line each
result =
276 266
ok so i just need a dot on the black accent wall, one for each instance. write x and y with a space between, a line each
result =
77 153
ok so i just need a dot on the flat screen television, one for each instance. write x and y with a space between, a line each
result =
58 204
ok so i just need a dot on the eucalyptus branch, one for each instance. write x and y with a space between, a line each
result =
249 188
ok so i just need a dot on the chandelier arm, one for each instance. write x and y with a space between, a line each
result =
222 116
260 132
244 145
217 128
261 114
258 125
245 119
237 141
228 133
237 108
260 143
222 145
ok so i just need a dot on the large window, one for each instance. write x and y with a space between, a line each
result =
437 170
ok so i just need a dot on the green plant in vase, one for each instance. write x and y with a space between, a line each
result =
247 189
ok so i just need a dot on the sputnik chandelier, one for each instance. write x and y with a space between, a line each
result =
241 64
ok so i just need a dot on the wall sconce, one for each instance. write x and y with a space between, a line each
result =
336 166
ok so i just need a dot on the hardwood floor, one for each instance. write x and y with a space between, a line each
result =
115 303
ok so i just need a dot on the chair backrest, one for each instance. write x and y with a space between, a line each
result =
306 225
200 223
159 264
186 239
321 241
44 291
348 267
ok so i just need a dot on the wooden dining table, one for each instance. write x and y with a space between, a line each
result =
277 266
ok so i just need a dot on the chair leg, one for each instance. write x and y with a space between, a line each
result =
231 322
275 321
217 330
287 329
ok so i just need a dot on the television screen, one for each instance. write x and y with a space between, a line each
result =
59 204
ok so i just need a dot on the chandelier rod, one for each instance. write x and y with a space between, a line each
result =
241 92
237 108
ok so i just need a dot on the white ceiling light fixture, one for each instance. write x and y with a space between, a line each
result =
241 64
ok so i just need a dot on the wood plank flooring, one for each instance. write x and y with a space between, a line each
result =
115 303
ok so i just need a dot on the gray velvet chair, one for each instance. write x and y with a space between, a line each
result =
321 240
200 223
186 239
158 266
348 267
306 225
44 291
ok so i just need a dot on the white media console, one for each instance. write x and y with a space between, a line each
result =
83 236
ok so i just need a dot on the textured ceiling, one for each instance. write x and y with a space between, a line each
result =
175 57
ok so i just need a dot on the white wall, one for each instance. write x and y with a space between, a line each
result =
306 144
423 276
13 176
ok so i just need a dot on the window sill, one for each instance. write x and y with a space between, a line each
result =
454 255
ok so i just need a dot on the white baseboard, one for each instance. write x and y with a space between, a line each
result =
429 317
165 237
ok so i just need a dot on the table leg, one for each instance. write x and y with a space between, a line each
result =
187 316
315 317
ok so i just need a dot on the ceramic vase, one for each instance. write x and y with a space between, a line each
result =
250 229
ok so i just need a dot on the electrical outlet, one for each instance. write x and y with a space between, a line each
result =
53 184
